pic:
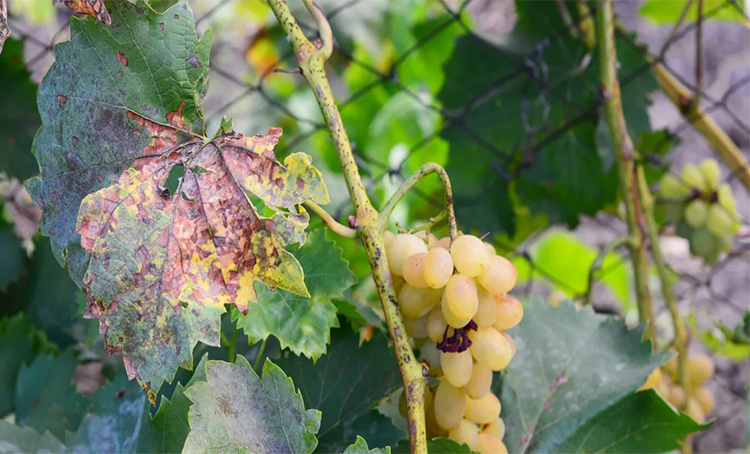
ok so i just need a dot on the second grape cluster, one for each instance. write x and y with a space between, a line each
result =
455 304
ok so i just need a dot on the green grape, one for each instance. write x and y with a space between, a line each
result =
490 444
695 213
413 270
490 348
495 428
509 312
416 327
499 276
702 243
484 410
401 248
486 310
450 319
718 221
416 302
672 188
450 405
469 255
725 242
693 177
480 382
710 171
438 267
466 433
457 367
461 296
726 199
490 249
436 325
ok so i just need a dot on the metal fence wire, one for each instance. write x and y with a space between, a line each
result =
242 86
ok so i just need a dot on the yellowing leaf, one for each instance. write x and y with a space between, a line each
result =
94 8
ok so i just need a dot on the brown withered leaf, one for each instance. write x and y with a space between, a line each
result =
94 8
163 265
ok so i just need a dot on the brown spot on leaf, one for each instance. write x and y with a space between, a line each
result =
175 118
121 58
161 26
75 140
61 100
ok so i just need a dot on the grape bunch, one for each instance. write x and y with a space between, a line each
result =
700 403
704 211
456 308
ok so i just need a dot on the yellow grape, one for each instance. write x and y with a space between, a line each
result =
450 319
430 353
461 296
693 177
653 379
700 368
710 171
695 213
496 428
413 271
718 221
509 312
443 243
490 444
672 189
416 302
490 249
726 198
432 241
499 276
490 348
705 399
484 410
437 267
402 247
469 255
450 405
436 325
694 410
466 433
433 429
511 342
388 238
457 367
480 382
486 310
416 327
676 396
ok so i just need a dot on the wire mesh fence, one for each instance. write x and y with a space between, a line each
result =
245 86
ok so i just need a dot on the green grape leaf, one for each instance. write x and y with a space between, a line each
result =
27 440
45 398
301 323
360 447
660 12
345 385
437 445
161 259
567 383
19 344
235 410
19 118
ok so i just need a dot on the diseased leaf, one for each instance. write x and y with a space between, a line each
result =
573 385
302 324
360 447
45 397
235 410
363 374
94 8
94 101
15 439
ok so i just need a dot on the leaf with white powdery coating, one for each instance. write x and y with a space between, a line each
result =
235 410
360 447
302 324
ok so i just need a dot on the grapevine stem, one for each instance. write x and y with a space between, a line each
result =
335 227
426 169
624 153
311 60
680 338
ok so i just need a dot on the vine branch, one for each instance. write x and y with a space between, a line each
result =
335 227
624 153
311 59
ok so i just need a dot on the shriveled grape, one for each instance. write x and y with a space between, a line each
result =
499 276
490 348
480 382
509 312
450 405
457 367
437 267
469 255
483 410
413 271
402 247
461 296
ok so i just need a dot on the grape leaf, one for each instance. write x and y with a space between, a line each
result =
563 383
660 12
14 259
302 324
45 398
27 440
235 410
345 384
4 30
19 118
160 262
94 8
360 447
440 445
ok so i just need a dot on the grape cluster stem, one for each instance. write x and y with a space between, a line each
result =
369 225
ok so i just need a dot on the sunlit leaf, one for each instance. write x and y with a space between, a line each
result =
664 12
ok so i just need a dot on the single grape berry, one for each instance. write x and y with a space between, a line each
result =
413 271
693 177
499 276
461 296
695 213
710 171
401 248
469 255
437 267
